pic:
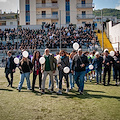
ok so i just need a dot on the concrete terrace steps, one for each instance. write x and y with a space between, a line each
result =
107 43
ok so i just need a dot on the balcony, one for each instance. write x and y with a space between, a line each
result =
87 16
53 17
47 5
88 5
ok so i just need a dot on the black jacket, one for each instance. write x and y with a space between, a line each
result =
116 65
25 68
64 63
39 66
12 64
77 61
108 59
97 62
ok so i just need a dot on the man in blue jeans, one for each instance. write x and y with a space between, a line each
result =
97 62
80 61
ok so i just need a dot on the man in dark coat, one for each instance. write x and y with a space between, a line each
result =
10 68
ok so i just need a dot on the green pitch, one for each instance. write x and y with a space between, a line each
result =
99 102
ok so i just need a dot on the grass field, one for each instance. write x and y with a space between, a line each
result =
99 102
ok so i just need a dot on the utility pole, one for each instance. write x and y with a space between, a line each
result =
102 30
60 31
17 30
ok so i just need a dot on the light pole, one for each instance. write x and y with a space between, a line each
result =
60 30
102 30
17 30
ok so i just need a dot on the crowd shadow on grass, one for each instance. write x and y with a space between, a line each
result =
86 95
6 89
89 96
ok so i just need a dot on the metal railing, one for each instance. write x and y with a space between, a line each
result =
47 5
47 16
87 5
87 16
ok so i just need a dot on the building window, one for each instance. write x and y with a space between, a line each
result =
43 12
83 14
54 13
83 2
67 7
27 2
11 23
43 1
83 23
28 23
27 9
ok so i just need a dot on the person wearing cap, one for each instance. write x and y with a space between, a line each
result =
80 61
97 62
107 61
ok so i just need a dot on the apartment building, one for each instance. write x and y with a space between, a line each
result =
37 12
8 19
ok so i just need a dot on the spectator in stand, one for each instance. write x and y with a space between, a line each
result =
48 37
2 63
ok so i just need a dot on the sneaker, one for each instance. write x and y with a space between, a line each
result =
49 88
85 79
52 90
96 83
59 92
19 90
8 85
81 93
118 83
67 90
90 78
29 89
70 88
43 91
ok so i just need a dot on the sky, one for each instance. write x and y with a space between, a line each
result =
13 5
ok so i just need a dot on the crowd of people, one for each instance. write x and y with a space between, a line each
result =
49 37
77 61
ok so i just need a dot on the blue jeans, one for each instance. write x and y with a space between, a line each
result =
113 73
55 79
22 77
71 78
98 75
79 79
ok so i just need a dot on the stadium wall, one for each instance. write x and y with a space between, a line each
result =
113 33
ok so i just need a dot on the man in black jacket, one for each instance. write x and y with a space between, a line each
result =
80 61
10 68
107 61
